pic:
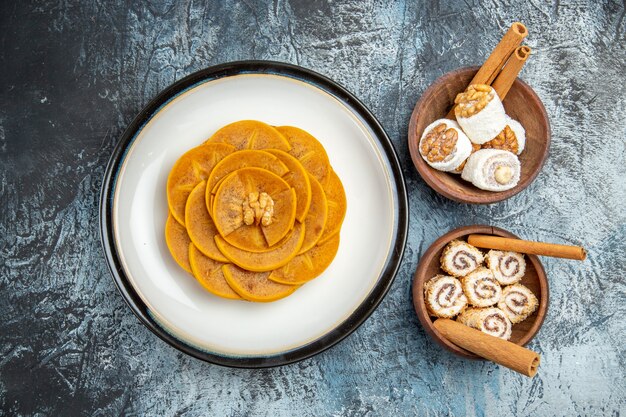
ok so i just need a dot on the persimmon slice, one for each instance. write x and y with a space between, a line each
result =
317 216
177 242
250 134
309 265
309 151
264 261
242 159
227 209
298 178
255 286
200 226
209 274
337 205
190 169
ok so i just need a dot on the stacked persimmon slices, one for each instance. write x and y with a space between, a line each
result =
255 211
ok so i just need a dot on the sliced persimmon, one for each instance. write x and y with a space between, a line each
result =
309 151
177 242
242 159
298 178
227 209
255 286
317 216
285 203
200 226
250 134
337 206
190 169
309 265
208 272
264 261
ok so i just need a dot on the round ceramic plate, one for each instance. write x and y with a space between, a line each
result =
237 333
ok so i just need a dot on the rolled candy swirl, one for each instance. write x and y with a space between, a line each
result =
518 302
444 296
481 288
444 146
512 138
507 267
492 321
492 170
480 113
460 258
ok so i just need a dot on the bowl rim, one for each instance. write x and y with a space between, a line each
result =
419 278
386 276
426 171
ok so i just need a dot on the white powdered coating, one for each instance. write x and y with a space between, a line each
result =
481 288
460 153
520 133
507 267
518 302
481 167
486 124
444 296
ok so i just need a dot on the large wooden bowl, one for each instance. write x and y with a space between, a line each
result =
429 266
521 103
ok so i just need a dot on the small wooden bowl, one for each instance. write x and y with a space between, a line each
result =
521 103
429 266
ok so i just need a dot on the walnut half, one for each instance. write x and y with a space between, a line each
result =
473 99
439 143
258 208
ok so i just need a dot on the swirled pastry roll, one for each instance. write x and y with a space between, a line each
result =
518 302
460 258
480 113
492 321
492 170
512 138
507 267
481 288
444 296
444 146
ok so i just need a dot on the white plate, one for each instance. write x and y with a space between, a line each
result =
239 333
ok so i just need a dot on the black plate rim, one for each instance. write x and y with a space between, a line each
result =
358 316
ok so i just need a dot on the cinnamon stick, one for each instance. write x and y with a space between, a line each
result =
497 350
504 81
526 246
499 56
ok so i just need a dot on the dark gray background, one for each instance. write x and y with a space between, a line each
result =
74 74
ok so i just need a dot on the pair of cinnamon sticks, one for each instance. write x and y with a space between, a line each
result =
504 64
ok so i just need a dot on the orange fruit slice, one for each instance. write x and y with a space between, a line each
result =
309 151
242 159
177 242
190 169
209 274
309 265
200 226
255 286
264 261
250 134
228 209
337 206
298 178
315 220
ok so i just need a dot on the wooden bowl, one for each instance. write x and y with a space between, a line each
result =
521 103
429 266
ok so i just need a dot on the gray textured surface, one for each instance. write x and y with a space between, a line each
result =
72 76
